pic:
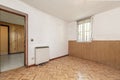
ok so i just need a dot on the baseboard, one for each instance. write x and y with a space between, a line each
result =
3 54
30 65
59 57
16 53
50 60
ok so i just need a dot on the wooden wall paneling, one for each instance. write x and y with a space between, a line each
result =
0 41
20 36
16 37
19 40
106 52
12 39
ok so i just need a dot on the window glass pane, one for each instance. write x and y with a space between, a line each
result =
84 31
88 27
80 27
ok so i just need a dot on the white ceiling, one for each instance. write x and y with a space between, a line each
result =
11 18
71 10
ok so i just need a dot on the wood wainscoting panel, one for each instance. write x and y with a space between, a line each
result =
16 35
106 52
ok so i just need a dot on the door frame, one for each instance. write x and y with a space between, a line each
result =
7 9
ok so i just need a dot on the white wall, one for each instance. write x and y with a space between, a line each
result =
72 30
46 30
106 26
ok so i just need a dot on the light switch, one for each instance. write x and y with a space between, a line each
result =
32 39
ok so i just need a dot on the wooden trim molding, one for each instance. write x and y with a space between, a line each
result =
59 57
105 52
2 22
4 8
10 10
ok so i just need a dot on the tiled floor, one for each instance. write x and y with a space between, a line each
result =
11 61
66 68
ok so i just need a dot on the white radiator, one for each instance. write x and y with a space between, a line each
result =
41 55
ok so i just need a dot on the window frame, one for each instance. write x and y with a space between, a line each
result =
91 30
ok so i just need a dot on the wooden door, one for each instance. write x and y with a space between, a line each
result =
3 40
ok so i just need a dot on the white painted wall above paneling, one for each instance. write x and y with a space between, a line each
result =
106 26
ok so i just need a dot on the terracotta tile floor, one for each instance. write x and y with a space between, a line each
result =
66 68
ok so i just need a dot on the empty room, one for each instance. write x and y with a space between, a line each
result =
59 40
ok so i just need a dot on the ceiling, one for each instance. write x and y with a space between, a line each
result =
71 10
11 18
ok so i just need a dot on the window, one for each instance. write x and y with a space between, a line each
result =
84 30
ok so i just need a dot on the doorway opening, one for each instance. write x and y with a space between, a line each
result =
13 39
